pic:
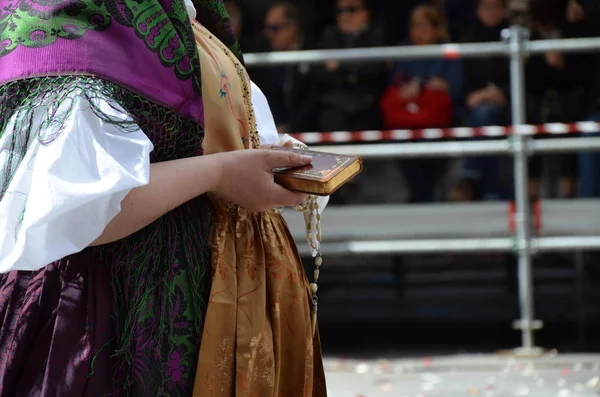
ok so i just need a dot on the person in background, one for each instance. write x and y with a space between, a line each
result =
291 92
585 14
557 86
423 94
487 79
236 17
431 84
487 83
350 91
393 15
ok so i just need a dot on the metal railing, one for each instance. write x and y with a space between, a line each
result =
444 227
517 46
407 53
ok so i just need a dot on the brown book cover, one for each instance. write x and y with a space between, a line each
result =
326 174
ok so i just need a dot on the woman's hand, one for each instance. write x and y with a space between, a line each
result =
246 179
496 96
475 98
438 84
332 66
488 94
555 60
410 90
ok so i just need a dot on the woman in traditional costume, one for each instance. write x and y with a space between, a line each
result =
139 254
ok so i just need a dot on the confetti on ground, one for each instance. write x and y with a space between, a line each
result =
551 375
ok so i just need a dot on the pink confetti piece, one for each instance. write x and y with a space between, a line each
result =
385 366
386 387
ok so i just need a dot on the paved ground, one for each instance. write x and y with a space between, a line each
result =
454 376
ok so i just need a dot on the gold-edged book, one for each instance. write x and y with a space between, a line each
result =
326 174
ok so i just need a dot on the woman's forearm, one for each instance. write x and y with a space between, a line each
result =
172 183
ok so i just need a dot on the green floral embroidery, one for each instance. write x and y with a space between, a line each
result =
164 30
225 86
41 30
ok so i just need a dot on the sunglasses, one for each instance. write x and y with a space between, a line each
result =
348 10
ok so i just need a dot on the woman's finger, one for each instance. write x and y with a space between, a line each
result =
280 159
286 198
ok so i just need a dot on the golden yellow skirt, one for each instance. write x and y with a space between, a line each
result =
258 338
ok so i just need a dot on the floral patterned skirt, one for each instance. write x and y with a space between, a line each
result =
258 337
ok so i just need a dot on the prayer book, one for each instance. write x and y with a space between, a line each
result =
326 174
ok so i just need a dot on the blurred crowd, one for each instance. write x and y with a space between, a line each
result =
429 93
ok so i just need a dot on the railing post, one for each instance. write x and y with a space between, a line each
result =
516 39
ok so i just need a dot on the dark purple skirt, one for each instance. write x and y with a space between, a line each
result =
56 332
82 327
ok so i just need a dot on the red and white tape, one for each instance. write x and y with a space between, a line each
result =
445 133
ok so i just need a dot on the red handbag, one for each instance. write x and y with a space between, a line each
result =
431 109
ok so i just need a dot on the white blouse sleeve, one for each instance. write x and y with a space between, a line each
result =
69 183
267 130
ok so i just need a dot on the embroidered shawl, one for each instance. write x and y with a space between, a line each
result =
146 46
